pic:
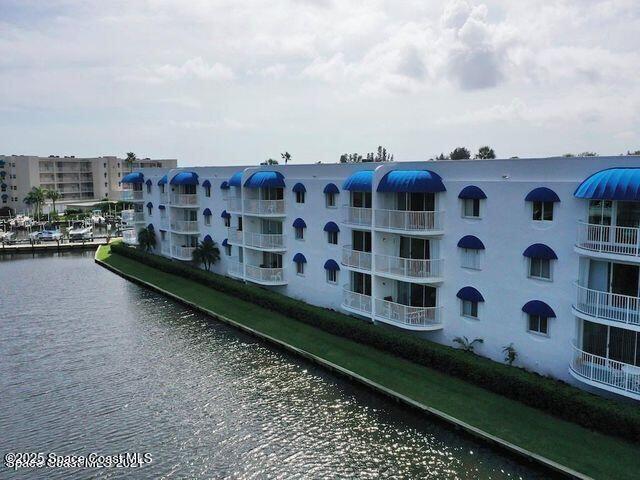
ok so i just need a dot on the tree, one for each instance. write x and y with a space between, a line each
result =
382 155
637 152
460 153
568 155
350 158
35 197
206 253
269 161
146 239
467 345
485 153
286 156
441 157
53 195
510 354
131 158
588 154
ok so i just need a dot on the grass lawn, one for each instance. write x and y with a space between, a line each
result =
588 452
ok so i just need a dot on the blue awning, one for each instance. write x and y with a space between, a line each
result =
540 250
150 227
299 223
225 243
298 187
471 192
469 241
265 180
225 214
5 196
135 177
470 294
537 307
224 185
424 181
207 238
331 188
163 180
236 179
149 205
542 194
162 207
149 182
185 178
206 212
206 184
299 258
331 265
611 184
331 227
361 181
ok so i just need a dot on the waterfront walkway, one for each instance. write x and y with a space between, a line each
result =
52 246
593 454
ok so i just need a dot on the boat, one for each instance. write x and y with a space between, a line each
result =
7 237
21 221
79 231
97 217
49 235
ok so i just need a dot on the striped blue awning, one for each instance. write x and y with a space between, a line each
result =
331 227
299 223
185 178
207 238
265 180
206 212
542 194
163 180
471 192
538 307
225 214
331 265
298 187
206 184
224 185
225 243
331 188
299 258
361 181
611 184
470 241
540 250
420 181
470 294
149 205
236 179
149 182
135 177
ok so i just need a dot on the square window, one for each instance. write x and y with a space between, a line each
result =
299 233
469 308
300 268
538 324
471 208
540 268
332 276
148 188
300 197
543 211
163 234
207 219
470 258
332 237
330 199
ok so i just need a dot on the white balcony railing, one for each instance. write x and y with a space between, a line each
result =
404 220
265 241
264 207
266 276
234 204
355 258
138 217
618 376
130 237
235 268
184 199
132 195
356 215
609 239
186 226
127 216
164 198
356 301
608 306
234 235
182 253
408 316
409 267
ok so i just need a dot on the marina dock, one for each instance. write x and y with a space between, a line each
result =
63 245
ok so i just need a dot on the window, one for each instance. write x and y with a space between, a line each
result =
332 276
207 191
300 268
469 309
471 208
330 199
227 221
239 224
538 324
228 249
162 188
149 210
163 213
543 211
540 268
332 237
299 233
470 258
300 197
148 188
105 184
207 219
163 234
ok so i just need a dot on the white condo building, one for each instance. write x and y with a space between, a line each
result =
543 254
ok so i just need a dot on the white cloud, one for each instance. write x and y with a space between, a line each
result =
195 68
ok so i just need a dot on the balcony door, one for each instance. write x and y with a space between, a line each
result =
613 343
271 260
361 199
271 227
361 241
271 193
415 248
415 295
361 283
415 201
624 279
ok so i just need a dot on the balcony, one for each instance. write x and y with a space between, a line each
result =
610 375
234 236
356 216
130 237
265 241
164 198
609 241
138 217
408 317
417 222
610 307
184 200
184 226
356 259
265 276
182 253
234 204
356 302
131 196
264 207
235 269
410 269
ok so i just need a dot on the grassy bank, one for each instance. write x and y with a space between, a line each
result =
591 453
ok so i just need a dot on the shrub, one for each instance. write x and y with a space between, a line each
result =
553 396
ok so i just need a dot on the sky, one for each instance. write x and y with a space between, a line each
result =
224 82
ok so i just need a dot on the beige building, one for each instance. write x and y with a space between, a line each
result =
77 179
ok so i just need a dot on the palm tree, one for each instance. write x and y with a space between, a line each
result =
35 197
146 239
467 345
131 157
206 253
54 196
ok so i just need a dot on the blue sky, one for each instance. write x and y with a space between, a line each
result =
225 82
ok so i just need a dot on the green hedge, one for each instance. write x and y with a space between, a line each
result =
555 397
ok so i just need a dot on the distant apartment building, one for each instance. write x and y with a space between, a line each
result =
77 179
